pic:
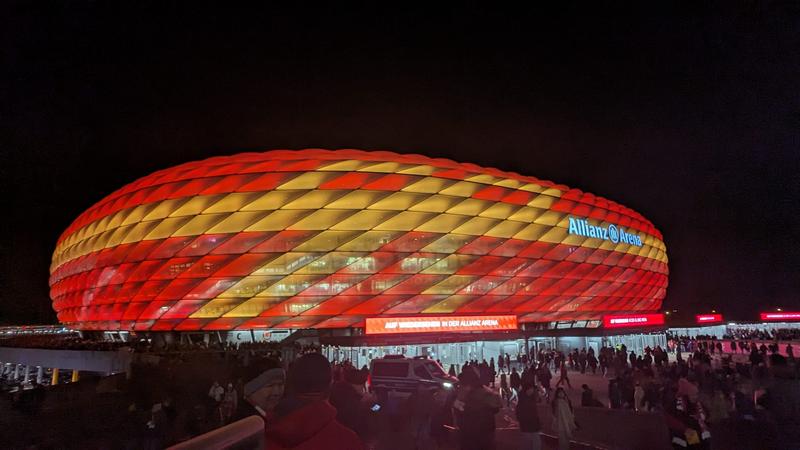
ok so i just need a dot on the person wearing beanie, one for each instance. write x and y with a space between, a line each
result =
265 391
304 419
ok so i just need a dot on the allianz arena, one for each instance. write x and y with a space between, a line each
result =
329 239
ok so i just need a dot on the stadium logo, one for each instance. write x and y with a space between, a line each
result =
581 227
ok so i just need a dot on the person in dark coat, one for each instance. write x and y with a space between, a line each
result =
346 396
530 426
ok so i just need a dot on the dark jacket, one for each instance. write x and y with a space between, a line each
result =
528 414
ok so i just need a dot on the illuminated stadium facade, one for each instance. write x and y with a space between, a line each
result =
329 239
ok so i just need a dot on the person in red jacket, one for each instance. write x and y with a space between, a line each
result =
304 420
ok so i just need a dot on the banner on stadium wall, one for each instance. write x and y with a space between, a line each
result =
778 316
438 324
708 318
632 320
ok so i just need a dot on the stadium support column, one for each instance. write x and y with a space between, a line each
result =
39 375
27 374
75 375
54 378
16 371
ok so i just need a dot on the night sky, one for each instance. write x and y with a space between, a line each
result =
687 113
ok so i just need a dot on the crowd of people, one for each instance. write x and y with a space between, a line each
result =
779 334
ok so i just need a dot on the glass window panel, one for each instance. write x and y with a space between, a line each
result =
137 214
232 202
462 189
410 242
374 262
314 199
199 224
482 265
333 284
250 286
405 221
416 304
207 266
476 226
398 201
416 284
164 209
327 241
505 229
272 200
195 205
210 288
483 285
448 243
245 264
363 220
216 308
283 241
173 268
286 263
436 203
254 306
241 242
177 288
370 241
278 220
321 219
429 185
378 304
138 232
450 304
450 264
542 201
336 305
357 200
166 227
294 306
290 285
414 263
376 284
307 180
442 223
499 211
330 263
451 284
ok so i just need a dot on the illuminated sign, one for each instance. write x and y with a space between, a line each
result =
433 324
611 233
708 318
781 316
633 320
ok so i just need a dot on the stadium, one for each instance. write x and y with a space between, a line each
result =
337 240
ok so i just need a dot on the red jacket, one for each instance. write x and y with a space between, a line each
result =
312 427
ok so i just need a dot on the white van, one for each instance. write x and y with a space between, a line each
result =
400 375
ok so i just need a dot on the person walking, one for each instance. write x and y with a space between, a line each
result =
563 419
527 411
564 376
476 406
229 404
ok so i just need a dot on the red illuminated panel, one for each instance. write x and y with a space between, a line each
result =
632 320
708 318
779 316
437 324
319 238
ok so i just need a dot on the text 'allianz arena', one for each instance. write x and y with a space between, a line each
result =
325 239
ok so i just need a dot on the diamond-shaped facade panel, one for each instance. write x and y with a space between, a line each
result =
316 238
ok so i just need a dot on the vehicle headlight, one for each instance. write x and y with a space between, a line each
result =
447 385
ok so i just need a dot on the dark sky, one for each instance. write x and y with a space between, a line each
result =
688 113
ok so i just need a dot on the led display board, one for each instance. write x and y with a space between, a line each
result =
325 239
632 320
778 316
708 318
434 324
